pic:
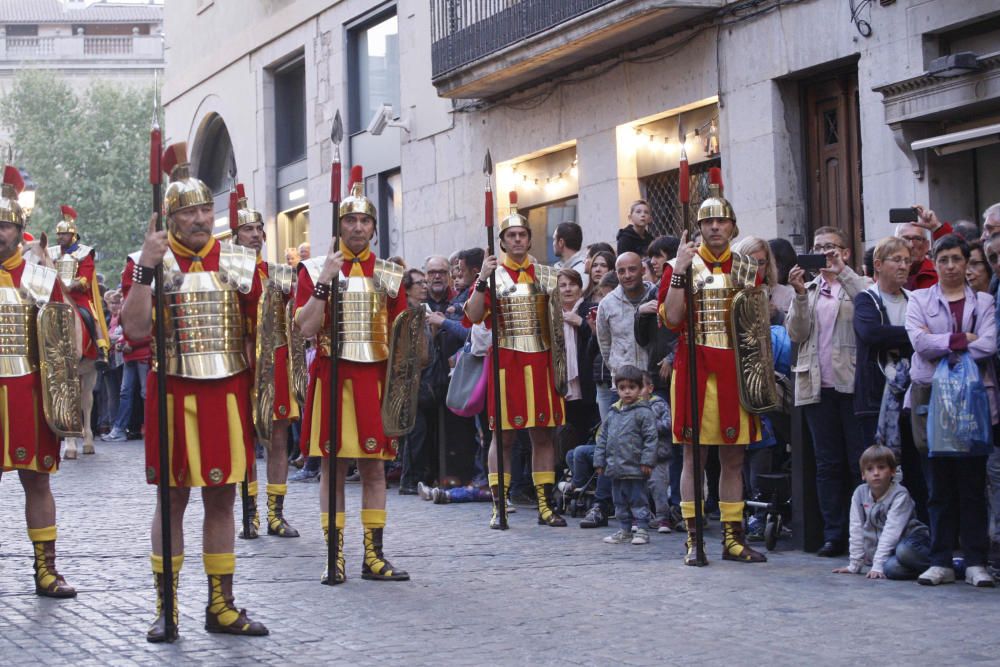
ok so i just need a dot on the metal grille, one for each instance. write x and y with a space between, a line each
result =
463 31
662 192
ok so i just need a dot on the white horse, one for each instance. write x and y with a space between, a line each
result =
87 367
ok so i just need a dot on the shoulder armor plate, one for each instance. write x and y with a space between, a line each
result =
547 277
55 252
389 276
281 276
238 264
37 282
82 252
314 265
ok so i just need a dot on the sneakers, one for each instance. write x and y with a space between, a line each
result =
424 491
676 519
755 529
935 575
662 526
619 537
114 436
594 518
640 536
976 575
304 475
439 496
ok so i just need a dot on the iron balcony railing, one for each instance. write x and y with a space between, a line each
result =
464 31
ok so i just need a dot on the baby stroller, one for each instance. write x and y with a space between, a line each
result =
574 502
774 499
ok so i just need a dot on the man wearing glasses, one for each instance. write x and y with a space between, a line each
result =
821 321
919 235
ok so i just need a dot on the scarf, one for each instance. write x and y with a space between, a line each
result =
522 269
181 250
713 262
355 260
573 391
9 265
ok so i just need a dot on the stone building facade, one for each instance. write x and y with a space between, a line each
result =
817 114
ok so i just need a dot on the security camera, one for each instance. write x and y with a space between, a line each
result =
383 118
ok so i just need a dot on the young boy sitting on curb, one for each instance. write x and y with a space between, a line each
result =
626 454
884 531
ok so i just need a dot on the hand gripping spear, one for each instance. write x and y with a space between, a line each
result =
163 484
336 136
495 340
685 199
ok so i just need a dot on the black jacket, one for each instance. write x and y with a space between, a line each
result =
629 240
584 363
875 337
659 341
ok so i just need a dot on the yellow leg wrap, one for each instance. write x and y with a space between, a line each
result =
540 478
47 534
157 563
252 489
494 479
276 489
731 511
218 605
219 564
373 518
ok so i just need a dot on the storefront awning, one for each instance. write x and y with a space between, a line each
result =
956 142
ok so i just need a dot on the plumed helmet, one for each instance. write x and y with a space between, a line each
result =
240 212
715 205
10 209
513 219
184 190
68 222
357 202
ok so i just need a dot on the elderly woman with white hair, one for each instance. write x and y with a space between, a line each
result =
767 272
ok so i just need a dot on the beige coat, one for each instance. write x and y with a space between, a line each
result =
801 325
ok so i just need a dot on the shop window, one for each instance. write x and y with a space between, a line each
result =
662 192
374 69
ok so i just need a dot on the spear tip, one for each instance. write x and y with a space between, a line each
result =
488 163
337 131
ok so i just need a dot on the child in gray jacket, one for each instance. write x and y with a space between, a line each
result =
885 532
626 454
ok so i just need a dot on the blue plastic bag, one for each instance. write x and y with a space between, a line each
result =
958 416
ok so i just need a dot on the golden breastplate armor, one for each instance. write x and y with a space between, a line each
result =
363 322
713 299
204 324
18 334
19 320
524 312
68 263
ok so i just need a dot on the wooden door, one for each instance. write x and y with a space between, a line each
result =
833 151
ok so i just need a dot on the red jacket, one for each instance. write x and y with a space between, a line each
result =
925 274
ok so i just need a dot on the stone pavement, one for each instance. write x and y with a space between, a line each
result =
531 595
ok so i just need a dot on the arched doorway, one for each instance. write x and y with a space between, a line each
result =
213 161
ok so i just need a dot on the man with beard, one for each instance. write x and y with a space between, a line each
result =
210 291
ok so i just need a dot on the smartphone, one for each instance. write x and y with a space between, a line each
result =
811 262
908 214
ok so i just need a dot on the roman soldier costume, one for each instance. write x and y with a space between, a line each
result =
75 265
39 385
209 298
734 363
375 368
272 394
532 359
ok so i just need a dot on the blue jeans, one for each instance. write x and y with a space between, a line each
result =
606 396
838 443
912 556
580 461
631 502
134 373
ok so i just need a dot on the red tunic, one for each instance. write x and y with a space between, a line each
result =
723 419
89 299
27 441
528 394
210 421
359 388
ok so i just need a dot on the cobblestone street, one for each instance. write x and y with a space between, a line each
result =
531 595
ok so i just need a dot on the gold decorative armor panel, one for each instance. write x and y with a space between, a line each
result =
204 327
713 299
18 334
524 312
60 372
